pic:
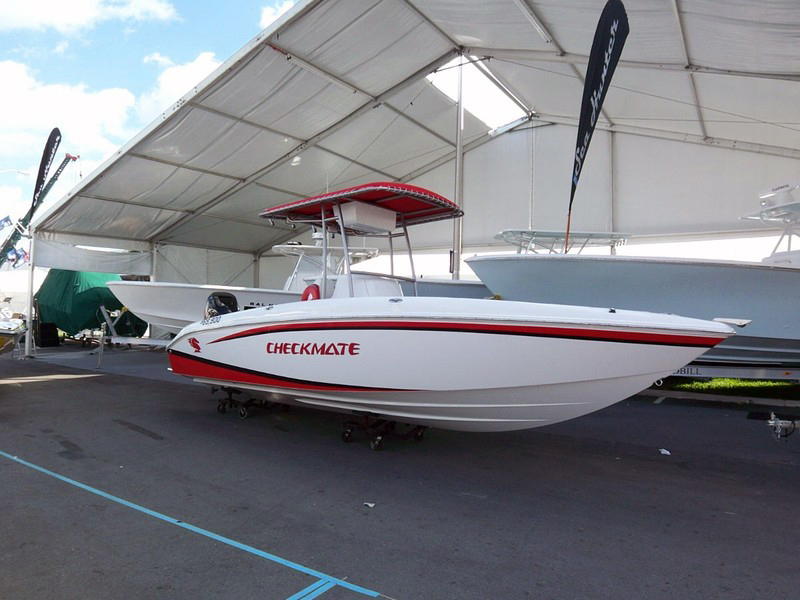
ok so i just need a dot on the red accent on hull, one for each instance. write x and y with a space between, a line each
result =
566 332
191 367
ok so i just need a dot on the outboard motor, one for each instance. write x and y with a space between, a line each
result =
220 303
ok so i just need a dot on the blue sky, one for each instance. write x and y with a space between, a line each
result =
101 71
112 52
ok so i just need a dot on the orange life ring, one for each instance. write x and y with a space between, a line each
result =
311 292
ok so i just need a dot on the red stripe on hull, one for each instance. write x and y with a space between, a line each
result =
531 330
189 366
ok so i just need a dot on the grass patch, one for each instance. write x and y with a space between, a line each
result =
782 390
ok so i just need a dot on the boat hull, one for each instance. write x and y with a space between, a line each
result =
462 364
173 306
767 295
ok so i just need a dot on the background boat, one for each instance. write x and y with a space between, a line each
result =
767 293
11 331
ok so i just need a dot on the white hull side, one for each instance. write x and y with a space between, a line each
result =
173 306
470 410
11 330
767 295
457 367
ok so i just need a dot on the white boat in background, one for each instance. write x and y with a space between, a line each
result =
766 294
14 303
173 306
14 288
11 330
452 363
778 206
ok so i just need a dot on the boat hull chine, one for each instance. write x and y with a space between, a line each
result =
463 410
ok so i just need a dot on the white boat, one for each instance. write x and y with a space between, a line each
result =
14 288
767 294
452 363
11 330
173 306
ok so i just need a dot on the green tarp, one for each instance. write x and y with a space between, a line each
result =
72 300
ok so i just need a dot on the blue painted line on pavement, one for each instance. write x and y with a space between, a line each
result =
328 581
320 591
312 591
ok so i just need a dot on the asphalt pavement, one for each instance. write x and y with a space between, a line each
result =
125 482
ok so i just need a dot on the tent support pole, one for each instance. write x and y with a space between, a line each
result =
459 191
153 263
29 345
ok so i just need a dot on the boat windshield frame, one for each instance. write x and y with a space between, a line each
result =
530 241
313 256
785 215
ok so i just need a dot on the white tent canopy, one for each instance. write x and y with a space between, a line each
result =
700 117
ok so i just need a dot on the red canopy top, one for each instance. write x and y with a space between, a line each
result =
411 204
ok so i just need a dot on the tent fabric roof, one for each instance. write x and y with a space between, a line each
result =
342 85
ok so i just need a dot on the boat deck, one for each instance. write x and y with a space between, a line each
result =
126 482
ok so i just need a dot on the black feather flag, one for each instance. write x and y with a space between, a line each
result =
50 149
609 38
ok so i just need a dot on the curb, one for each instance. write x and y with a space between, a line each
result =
719 398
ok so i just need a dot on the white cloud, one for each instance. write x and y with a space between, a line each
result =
93 124
173 83
270 13
159 59
139 10
78 15
11 198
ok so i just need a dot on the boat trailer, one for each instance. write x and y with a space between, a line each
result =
375 427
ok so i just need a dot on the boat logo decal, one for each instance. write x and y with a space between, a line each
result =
194 343
310 348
